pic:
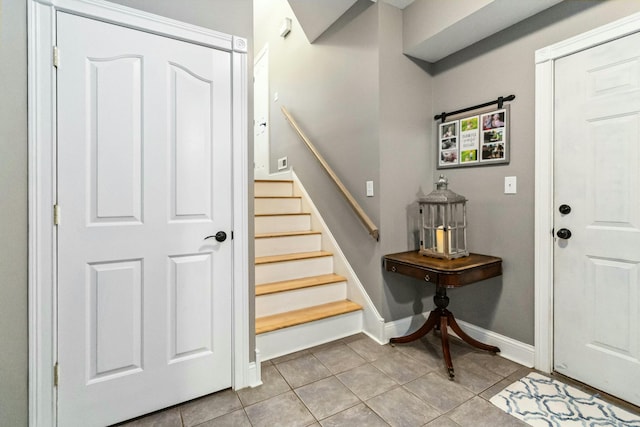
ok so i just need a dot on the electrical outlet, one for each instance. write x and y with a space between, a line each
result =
282 163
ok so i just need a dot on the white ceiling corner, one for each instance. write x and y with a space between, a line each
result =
315 17
400 4
471 22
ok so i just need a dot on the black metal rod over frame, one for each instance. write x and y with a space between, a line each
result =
500 101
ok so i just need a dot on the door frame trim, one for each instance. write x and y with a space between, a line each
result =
42 185
544 168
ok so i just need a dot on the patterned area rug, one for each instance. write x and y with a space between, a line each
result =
541 401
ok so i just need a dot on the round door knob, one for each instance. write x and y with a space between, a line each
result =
563 233
220 236
564 209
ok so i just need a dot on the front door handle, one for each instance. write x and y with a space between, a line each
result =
220 236
563 233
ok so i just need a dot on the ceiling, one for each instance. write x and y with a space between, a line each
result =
433 29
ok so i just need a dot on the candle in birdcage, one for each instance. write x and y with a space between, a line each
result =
443 235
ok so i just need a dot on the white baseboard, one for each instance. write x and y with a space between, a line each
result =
511 349
254 375
284 175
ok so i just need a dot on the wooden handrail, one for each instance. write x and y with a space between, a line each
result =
371 227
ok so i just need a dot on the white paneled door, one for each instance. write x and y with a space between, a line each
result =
144 176
597 218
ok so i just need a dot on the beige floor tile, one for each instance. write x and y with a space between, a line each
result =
285 410
338 358
477 412
442 421
326 397
367 381
273 384
398 407
401 367
356 382
234 419
209 407
303 370
493 362
471 375
360 415
369 349
441 393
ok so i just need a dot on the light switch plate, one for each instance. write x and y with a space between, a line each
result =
510 183
369 188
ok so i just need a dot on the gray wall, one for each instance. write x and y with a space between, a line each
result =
230 16
500 224
13 213
406 161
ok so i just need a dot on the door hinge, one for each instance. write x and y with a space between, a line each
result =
56 56
56 369
56 214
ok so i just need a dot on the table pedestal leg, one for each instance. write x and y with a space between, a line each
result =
441 317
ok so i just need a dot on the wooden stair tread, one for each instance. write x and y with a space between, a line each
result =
277 197
273 180
305 315
286 234
305 282
283 214
291 257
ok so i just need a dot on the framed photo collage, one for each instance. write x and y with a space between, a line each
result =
474 140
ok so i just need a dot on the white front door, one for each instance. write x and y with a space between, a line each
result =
597 177
261 115
144 176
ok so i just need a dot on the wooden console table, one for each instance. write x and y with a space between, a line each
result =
444 274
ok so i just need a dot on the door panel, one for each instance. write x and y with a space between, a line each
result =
191 312
116 139
191 132
144 175
597 274
115 324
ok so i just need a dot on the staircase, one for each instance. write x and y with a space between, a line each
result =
300 301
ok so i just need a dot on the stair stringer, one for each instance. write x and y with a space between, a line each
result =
372 323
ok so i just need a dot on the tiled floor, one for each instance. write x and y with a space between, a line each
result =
356 382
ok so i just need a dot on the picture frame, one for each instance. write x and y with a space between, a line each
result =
478 139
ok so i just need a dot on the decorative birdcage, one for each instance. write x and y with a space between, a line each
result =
443 215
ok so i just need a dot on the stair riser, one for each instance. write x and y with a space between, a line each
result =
274 206
288 270
289 340
287 245
281 302
284 223
264 189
